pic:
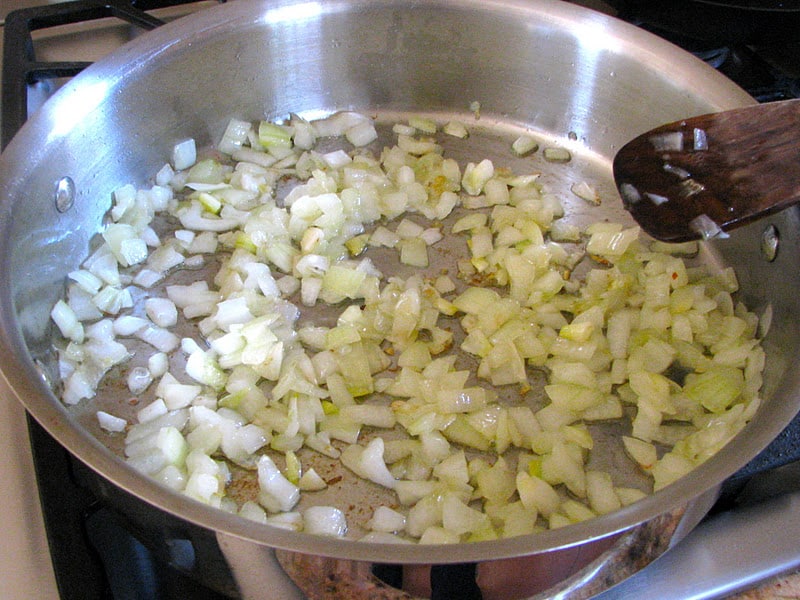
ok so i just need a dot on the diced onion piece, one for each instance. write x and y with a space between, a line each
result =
111 423
311 481
274 136
387 520
644 453
667 142
414 252
277 494
235 135
699 139
524 145
476 176
152 411
324 520
139 379
586 192
456 129
706 227
161 311
337 159
367 461
611 241
557 155
656 199
361 134
184 154
475 108
67 322
630 195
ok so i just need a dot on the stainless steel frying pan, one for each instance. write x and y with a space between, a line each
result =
567 74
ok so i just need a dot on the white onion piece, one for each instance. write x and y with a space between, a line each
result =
456 129
524 145
337 159
147 278
87 281
234 136
161 339
292 521
679 172
338 124
128 325
67 322
629 193
139 379
706 227
699 139
311 481
324 520
149 236
381 537
586 192
656 199
251 510
277 492
368 462
387 520
184 154
361 134
158 364
161 311
176 419
111 423
152 411
667 142
165 175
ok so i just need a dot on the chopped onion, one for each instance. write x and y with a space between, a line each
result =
679 172
235 135
139 379
524 145
586 192
110 422
456 129
557 155
152 411
161 311
656 199
257 383
68 323
699 139
706 227
184 155
667 142
324 520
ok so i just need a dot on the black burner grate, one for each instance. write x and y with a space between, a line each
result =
20 66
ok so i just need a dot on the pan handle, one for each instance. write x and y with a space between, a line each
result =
256 570
336 578
264 573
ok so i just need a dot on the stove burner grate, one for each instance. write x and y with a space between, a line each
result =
20 66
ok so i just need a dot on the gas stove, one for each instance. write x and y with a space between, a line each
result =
71 546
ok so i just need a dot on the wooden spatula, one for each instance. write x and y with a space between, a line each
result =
699 177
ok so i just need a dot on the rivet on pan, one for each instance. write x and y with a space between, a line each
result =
770 240
65 194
